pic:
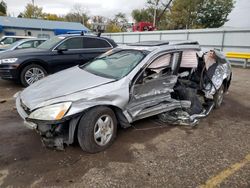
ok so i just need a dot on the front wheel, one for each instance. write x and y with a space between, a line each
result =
97 129
32 73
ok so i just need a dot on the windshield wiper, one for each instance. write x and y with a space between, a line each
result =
101 74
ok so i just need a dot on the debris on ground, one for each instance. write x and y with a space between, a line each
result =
3 100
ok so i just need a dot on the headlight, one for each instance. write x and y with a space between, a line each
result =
52 112
10 60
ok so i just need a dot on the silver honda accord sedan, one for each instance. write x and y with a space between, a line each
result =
174 81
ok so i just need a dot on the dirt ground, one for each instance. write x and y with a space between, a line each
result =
149 154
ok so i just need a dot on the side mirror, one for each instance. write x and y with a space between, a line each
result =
61 50
2 43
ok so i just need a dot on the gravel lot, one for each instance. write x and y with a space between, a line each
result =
149 154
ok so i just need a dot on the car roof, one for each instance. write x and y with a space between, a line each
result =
77 34
15 36
161 45
32 39
111 41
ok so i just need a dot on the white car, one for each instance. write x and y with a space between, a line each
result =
23 44
172 80
7 40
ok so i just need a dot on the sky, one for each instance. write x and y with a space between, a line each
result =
239 17
105 8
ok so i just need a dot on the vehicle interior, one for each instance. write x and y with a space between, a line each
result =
182 76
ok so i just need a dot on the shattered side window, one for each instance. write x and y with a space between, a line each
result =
189 59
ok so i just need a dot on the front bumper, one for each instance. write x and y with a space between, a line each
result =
20 109
30 125
54 133
9 71
24 114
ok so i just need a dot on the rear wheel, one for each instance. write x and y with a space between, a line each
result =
218 97
97 129
32 73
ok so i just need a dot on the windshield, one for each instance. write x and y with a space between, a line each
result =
115 65
48 44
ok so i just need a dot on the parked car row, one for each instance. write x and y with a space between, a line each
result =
175 81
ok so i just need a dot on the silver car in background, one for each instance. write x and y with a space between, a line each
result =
8 40
23 44
173 80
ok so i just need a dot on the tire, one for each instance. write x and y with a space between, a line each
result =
218 97
34 72
94 136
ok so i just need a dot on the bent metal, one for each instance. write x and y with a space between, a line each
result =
175 81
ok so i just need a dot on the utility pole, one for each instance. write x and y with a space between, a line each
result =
154 17
155 11
166 7
33 4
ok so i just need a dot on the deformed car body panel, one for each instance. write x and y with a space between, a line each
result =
153 97
64 83
218 74
222 72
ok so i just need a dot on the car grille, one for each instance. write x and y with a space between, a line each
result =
5 73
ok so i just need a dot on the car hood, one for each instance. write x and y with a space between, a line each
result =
22 52
61 84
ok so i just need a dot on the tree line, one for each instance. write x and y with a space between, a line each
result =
186 14
165 14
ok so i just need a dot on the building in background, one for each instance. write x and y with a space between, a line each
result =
36 27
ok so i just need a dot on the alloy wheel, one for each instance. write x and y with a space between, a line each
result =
103 130
33 74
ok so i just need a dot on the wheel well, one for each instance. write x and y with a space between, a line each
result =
30 63
227 83
121 120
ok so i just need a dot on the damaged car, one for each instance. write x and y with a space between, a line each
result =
174 81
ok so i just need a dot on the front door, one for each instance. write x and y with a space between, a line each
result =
78 51
151 92
67 54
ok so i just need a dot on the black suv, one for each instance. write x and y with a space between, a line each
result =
58 53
